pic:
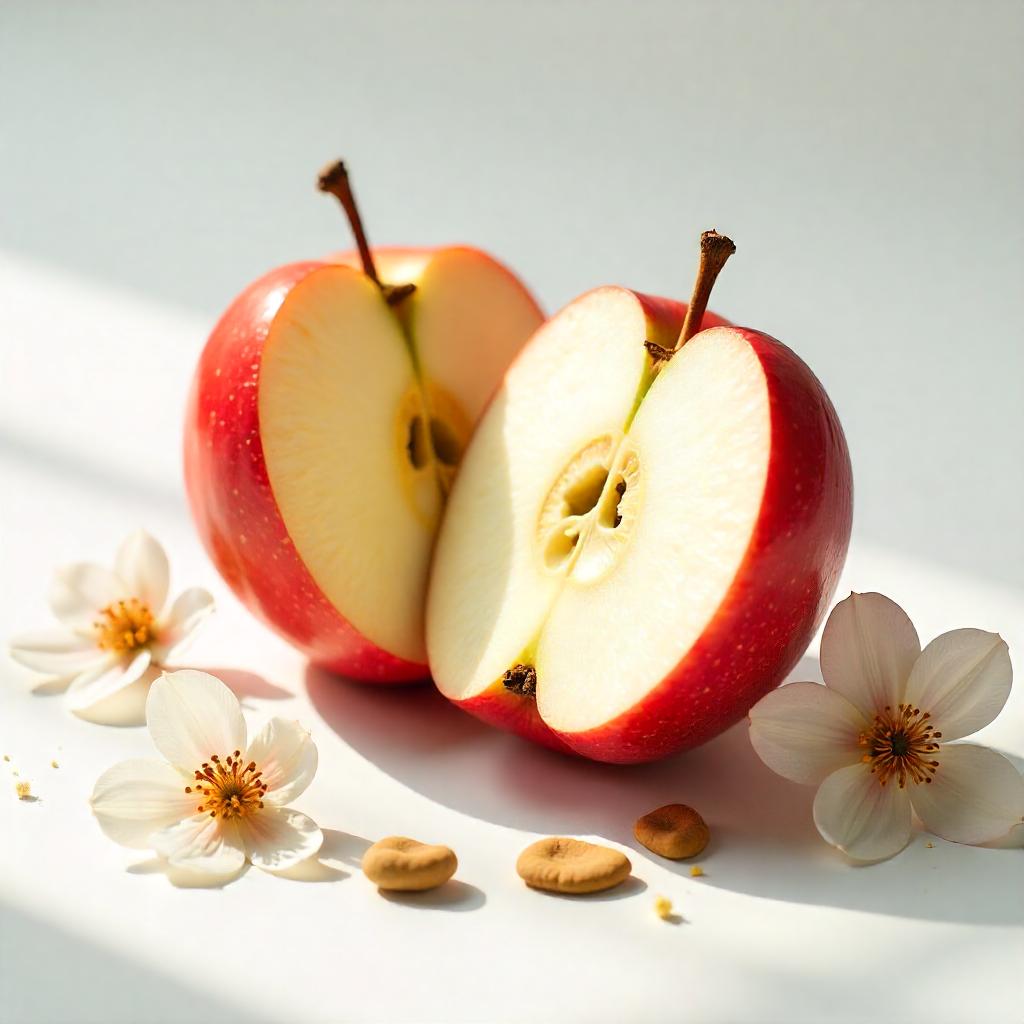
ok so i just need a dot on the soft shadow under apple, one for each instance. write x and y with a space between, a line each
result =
764 840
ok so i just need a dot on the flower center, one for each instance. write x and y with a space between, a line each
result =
228 789
900 745
124 626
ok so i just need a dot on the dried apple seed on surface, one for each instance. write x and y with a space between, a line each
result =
572 866
674 831
401 864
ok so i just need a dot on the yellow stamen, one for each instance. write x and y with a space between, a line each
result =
227 788
900 745
125 626
24 790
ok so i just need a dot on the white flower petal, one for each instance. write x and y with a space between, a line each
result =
201 843
134 799
142 565
868 648
287 757
865 820
55 651
975 796
277 838
107 678
186 614
80 591
193 715
962 679
805 731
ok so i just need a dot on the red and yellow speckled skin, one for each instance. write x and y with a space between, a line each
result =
233 503
776 600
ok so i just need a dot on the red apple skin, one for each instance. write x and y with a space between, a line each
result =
234 506
780 593
506 710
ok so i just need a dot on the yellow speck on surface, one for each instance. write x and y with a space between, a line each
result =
23 789
53 764
696 871
7 757
930 845
663 907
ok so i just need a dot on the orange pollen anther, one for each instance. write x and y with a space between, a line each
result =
900 745
228 789
125 626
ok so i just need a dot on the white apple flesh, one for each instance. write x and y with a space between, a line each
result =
629 558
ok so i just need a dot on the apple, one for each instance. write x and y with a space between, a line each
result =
646 530
328 413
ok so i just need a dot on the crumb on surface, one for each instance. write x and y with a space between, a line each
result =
696 871
53 764
7 757
23 789
930 845
663 907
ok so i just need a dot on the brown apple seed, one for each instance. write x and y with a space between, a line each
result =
572 866
674 831
405 865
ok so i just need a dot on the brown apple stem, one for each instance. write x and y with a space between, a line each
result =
715 249
334 179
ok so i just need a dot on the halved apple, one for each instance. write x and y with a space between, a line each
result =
640 543
328 415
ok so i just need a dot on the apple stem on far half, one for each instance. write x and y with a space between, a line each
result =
715 250
334 179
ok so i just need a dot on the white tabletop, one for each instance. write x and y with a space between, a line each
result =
779 927
153 158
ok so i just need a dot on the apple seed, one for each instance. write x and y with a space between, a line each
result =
674 831
572 866
400 864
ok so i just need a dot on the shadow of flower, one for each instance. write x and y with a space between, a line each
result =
339 847
243 683
181 878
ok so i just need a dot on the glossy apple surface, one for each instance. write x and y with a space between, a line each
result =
657 546
322 433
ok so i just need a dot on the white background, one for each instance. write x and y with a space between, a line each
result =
867 160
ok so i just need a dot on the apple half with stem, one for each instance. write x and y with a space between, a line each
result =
328 413
647 528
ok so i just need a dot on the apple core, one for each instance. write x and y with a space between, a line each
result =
590 511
